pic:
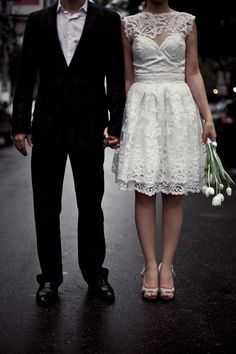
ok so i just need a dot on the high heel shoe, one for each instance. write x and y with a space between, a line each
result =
167 294
149 294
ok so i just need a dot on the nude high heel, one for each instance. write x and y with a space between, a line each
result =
167 294
149 294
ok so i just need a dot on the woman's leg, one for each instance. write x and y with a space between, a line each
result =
145 218
172 217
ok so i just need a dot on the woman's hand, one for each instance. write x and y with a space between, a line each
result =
209 131
112 141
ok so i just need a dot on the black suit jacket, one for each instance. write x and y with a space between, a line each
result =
71 101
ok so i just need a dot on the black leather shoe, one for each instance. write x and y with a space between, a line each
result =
102 290
47 294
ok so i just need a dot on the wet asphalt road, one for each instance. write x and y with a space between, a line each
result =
200 320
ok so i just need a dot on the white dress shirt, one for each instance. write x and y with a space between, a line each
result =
70 28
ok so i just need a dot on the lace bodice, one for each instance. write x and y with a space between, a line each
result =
158 42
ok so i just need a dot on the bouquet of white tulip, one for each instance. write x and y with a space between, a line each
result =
216 178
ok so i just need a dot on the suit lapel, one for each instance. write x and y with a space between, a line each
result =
88 26
52 23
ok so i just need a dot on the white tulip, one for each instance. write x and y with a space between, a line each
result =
209 191
204 188
221 197
229 191
216 201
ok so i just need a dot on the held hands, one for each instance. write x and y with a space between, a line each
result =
209 131
111 141
19 142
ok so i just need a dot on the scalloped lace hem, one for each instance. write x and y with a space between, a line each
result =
166 188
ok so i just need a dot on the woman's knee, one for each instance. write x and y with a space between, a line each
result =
143 199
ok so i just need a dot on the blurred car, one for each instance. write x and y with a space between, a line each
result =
225 124
218 107
5 124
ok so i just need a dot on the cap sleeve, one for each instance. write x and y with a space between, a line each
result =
128 28
189 23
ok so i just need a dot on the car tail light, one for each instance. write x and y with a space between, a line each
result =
224 119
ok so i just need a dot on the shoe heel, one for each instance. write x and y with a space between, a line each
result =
142 272
146 290
167 294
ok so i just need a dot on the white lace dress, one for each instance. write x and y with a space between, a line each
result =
161 147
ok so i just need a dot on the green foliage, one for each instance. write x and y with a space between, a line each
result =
7 32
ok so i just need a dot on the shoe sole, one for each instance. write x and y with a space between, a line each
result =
99 297
149 299
52 301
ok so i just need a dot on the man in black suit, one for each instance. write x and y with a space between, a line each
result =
71 47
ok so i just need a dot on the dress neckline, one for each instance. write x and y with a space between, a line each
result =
159 13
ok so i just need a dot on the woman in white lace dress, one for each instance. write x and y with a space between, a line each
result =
167 120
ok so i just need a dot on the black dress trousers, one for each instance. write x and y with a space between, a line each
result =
48 168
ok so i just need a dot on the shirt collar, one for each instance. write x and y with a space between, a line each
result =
83 8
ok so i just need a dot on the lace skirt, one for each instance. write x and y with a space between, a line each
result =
161 141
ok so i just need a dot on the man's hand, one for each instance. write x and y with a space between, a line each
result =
19 142
111 141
